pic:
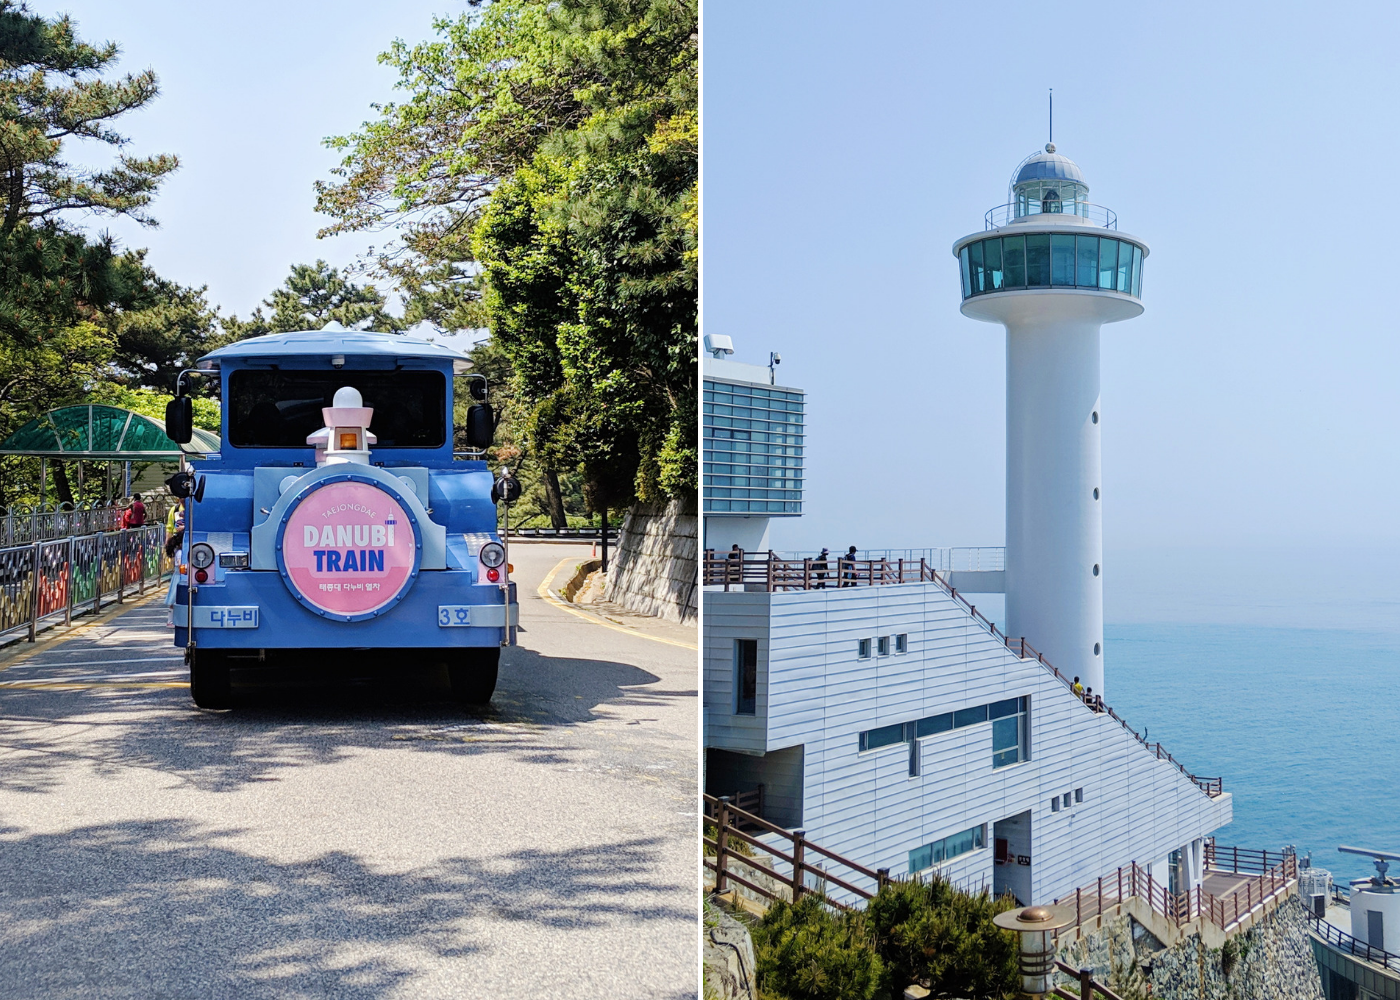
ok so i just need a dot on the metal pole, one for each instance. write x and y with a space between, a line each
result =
605 538
68 603
121 563
97 576
34 597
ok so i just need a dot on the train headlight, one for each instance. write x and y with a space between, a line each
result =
492 555
202 555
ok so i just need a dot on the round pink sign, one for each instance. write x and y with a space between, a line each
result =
348 548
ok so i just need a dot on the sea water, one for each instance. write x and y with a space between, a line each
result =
1303 724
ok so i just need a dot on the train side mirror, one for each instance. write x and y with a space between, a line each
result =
179 419
481 426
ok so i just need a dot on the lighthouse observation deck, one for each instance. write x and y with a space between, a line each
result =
1051 260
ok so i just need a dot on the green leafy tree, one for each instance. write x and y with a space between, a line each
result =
316 294
544 166
52 89
162 328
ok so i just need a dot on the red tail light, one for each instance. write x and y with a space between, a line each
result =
201 576
493 575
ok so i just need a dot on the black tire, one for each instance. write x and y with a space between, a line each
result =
473 674
209 678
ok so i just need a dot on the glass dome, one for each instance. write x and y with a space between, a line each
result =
1048 183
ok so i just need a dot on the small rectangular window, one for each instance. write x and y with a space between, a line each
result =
874 739
969 716
1137 271
901 642
1087 266
1125 267
966 274
1066 797
1055 804
1079 795
1038 260
1108 262
935 724
1001 709
745 676
882 645
979 278
920 858
863 649
991 252
1013 255
1061 260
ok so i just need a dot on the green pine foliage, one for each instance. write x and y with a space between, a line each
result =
930 931
911 932
805 952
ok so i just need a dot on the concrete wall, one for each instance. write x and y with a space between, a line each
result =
655 569
814 691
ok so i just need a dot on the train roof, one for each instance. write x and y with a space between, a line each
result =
336 339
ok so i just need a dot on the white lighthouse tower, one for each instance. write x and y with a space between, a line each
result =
1052 269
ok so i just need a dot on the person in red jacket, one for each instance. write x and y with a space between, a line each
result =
135 515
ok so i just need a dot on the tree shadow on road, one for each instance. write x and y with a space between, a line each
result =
174 909
311 717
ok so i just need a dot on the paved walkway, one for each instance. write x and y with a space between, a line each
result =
352 837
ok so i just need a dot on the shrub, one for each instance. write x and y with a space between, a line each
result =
929 931
805 952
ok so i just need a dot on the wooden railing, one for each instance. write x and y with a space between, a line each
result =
774 574
1088 985
802 862
1225 911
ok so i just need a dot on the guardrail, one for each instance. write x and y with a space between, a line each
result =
1005 215
773 574
735 824
1343 941
586 534
955 559
62 577
21 524
1225 911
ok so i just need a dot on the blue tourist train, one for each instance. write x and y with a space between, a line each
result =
340 519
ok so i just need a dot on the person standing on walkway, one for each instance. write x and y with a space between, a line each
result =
735 569
848 572
820 566
1077 688
135 515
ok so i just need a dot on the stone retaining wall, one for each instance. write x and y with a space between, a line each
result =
1272 959
654 569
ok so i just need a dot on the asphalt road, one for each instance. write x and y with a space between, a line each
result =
358 837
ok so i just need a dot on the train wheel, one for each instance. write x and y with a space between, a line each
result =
473 674
209 681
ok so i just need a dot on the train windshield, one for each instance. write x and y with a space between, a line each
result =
278 409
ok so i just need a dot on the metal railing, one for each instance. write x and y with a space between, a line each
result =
1225 911
1005 215
61 577
22 524
773 574
1342 941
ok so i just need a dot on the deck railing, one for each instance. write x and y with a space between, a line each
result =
772 574
1225 911
22 524
790 869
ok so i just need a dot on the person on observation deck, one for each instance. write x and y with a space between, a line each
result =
135 515
848 567
820 565
1077 688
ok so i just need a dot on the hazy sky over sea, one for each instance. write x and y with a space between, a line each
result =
1250 416
249 90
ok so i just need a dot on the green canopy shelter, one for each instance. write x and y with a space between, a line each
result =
95 432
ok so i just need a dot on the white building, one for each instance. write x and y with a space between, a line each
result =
891 724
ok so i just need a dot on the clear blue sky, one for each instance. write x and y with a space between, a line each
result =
249 90
1253 408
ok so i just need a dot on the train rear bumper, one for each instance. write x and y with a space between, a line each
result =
253 610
